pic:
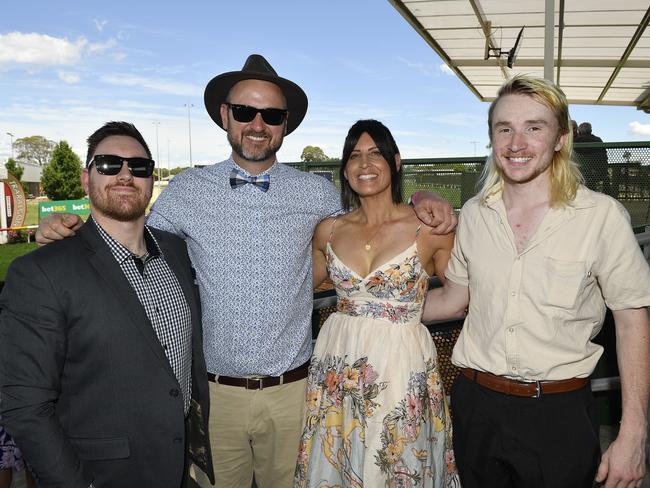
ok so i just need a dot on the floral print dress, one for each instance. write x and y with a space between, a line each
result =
10 456
376 411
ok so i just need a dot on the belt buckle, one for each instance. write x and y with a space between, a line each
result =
538 390
259 386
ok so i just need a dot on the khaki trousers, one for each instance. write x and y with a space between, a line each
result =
254 431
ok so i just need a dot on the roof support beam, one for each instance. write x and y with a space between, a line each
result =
487 32
560 39
566 63
635 38
549 39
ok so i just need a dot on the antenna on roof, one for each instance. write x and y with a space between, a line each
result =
497 52
512 54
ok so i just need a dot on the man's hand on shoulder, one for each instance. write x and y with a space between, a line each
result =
434 211
56 227
623 463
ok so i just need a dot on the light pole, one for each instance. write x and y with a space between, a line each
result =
156 124
12 144
189 126
475 143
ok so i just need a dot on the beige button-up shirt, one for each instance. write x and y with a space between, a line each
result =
533 315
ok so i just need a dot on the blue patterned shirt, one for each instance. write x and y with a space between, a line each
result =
252 254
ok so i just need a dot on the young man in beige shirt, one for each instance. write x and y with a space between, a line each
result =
541 257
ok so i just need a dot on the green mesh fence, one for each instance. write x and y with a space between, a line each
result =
619 169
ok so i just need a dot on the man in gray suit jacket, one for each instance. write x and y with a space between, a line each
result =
102 375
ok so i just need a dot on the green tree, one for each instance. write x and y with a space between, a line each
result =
13 168
34 149
178 169
314 154
60 178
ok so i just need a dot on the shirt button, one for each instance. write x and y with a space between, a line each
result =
173 392
513 293
511 330
514 368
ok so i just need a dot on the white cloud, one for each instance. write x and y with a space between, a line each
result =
446 70
639 129
98 47
33 48
69 77
428 70
160 85
99 24
423 68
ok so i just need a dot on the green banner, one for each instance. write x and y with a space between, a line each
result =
79 207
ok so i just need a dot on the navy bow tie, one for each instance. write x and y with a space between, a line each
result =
238 178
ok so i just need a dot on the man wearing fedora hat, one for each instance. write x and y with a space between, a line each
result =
248 223
250 234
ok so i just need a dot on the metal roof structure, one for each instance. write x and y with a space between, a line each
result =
598 51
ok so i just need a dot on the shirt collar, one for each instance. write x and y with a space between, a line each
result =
120 252
584 198
270 171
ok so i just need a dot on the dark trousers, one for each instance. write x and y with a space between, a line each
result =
504 441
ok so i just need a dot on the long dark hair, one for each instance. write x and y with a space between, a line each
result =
384 141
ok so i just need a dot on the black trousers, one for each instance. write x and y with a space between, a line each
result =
504 441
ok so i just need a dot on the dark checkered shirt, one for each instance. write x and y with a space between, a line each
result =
163 301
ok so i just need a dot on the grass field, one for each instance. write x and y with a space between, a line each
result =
9 252
31 217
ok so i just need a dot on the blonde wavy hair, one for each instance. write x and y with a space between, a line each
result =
565 175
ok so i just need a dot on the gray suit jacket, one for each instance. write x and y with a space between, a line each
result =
85 387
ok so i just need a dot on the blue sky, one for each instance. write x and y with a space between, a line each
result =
66 67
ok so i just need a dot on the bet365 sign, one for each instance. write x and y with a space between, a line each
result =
79 207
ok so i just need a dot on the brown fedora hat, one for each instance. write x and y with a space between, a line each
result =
255 68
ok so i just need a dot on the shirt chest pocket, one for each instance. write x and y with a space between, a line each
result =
562 281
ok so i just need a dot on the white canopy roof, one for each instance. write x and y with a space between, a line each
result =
601 47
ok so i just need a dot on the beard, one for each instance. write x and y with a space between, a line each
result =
254 155
122 208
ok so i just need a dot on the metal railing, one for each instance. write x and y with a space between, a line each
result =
620 169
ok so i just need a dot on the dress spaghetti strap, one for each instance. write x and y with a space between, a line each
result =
329 240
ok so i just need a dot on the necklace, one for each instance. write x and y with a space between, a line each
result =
368 247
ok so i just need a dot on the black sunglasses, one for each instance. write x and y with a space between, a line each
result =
270 116
110 165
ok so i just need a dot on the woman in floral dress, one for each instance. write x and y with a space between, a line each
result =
376 412
11 460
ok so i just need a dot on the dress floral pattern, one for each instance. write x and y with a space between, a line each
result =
10 455
376 411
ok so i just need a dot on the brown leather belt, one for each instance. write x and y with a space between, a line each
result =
296 374
523 388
